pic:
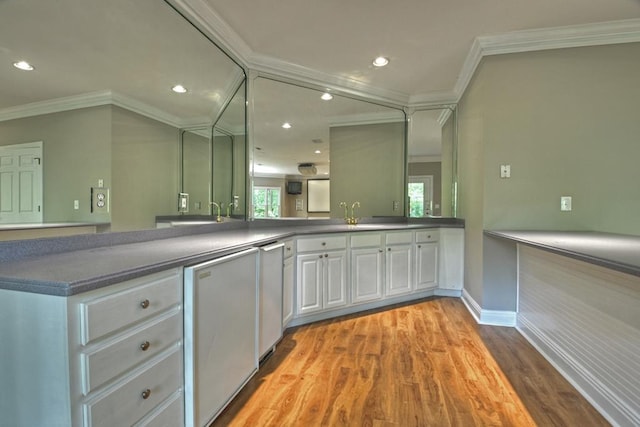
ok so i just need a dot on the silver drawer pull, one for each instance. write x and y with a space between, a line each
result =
145 394
145 346
144 304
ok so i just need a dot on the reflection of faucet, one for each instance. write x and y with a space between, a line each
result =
218 217
353 220
229 207
346 214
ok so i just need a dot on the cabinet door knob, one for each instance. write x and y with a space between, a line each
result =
380 250
389 249
320 256
145 346
145 393
144 303
419 246
324 243
326 255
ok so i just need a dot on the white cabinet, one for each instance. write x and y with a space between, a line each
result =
321 273
288 281
426 249
270 297
112 356
367 259
220 333
399 263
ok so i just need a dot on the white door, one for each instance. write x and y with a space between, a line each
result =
310 279
427 265
21 183
335 291
398 270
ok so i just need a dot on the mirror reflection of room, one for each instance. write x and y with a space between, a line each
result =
314 149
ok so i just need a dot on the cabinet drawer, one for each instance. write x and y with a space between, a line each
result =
169 414
427 236
126 404
400 238
288 248
145 297
366 240
141 344
322 243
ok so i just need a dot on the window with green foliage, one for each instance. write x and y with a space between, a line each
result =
416 199
266 202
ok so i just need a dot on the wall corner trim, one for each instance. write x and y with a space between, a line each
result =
488 317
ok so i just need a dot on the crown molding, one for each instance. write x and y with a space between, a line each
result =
91 99
597 34
267 66
207 20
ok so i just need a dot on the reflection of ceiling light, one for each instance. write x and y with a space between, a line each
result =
23 65
327 96
318 152
286 125
380 61
179 89
307 169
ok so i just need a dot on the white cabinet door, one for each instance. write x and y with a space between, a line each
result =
287 292
335 283
399 267
310 278
270 298
220 299
366 274
426 265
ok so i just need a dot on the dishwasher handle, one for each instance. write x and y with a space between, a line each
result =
272 247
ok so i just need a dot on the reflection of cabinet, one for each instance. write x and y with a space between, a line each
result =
399 263
114 347
366 267
287 284
321 273
426 259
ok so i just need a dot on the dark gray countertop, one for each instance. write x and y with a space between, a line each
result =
616 251
68 266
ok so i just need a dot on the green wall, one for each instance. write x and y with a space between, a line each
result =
367 165
567 122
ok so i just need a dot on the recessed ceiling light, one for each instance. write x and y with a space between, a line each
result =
179 89
318 152
327 96
286 125
23 65
380 61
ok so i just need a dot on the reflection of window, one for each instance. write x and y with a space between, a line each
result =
266 202
420 195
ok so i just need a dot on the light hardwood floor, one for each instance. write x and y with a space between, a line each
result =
421 364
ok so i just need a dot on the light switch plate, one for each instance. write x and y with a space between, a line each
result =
183 202
565 203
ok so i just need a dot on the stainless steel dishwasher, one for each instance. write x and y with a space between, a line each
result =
221 353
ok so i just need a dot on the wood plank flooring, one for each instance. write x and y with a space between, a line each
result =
421 364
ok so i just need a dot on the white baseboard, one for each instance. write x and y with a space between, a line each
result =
488 317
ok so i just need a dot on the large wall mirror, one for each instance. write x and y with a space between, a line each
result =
303 136
431 162
99 106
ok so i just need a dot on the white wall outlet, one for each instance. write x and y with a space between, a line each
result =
396 205
565 203
505 171
76 204
183 202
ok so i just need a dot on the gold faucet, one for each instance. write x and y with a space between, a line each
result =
353 220
346 214
218 217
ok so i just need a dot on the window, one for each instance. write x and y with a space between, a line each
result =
266 202
420 195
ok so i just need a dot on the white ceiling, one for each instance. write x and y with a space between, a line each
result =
427 41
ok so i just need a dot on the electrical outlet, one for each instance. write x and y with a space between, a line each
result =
396 205
76 204
505 171
565 203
